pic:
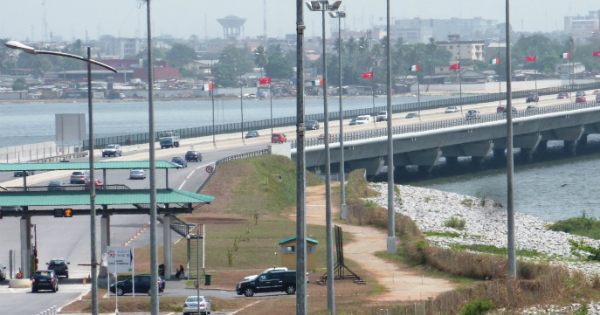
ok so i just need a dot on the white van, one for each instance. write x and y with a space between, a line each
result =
363 119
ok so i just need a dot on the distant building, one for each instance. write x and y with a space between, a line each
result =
232 26
495 48
162 71
463 50
579 24
568 68
122 47
475 28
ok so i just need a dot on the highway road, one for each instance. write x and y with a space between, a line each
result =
69 237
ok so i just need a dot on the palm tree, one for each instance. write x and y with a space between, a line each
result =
339 42
260 57
351 45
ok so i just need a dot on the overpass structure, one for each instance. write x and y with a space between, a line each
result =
26 202
423 144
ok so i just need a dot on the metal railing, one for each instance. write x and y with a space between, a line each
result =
382 132
203 131
64 188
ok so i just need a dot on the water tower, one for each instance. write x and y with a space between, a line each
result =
232 26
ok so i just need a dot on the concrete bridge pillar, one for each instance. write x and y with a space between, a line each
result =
570 147
26 249
583 141
499 154
571 134
104 239
425 170
371 166
477 162
425 157
542 146
168 254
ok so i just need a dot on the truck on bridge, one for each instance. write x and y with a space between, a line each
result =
168 139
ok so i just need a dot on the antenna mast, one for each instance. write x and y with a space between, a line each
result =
44 21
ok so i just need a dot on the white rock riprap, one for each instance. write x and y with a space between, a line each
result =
485 224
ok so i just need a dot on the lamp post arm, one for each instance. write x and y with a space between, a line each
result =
105 66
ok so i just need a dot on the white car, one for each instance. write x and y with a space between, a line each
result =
191 305
381 116
451 109
137 174
363 119
252 277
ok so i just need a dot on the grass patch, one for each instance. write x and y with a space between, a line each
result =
584 226
494 250
455 223
442 234
467 202
377 289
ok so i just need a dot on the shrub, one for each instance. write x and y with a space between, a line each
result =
467 202
455 223
477 307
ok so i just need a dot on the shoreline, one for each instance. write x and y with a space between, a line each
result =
485 224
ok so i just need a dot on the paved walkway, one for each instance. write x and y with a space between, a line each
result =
402 283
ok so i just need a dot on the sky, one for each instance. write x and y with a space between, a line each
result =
182 18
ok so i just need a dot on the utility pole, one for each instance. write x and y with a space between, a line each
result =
301 296
92 188
391 239
510 167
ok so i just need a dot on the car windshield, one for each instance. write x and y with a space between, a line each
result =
312 122
362 118
77 173
43 274
57 262
111 146
382 113
194 299
472 112
177 159
353 119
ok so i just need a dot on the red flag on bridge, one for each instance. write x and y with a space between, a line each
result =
368 75
530 58
455 66
266 80
596 54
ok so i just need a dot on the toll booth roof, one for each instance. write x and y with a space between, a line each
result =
62 166
103 197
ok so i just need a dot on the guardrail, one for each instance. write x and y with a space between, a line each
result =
382 132
63 188
186 133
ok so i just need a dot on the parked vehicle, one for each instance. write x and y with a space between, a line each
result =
580 99
59 265
502 109
248 278
533 97
112 149
531 108
363 119
169 139
97 182
44 280
562 95
276 281
252 134
79 177
21 173
137 174
412 115
180 160
451 109
353 122
193 156
55 185
382 116
473 114
580 93
142 285
322 137
190 306
312 125
2 273
11 208
596 92
278 138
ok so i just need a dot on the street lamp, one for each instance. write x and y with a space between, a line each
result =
391 239
33 51
344 211
323 5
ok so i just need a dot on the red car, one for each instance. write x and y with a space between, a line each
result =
98 184
501 109
562 95
596 92
580 99
278 138
322 136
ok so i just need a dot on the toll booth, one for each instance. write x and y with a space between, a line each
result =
288 253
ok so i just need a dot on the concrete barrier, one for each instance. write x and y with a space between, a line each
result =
19 284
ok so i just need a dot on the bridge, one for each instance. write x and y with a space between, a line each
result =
423 144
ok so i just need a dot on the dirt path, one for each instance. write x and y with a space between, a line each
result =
402 283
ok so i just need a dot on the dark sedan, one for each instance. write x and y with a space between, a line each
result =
59 266
180 160
193 156
252 134
56 185
142 285
44 280
312 125
412 115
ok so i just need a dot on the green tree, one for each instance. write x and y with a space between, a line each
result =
279 67
260 56
19 84
232 62
180 55
5 59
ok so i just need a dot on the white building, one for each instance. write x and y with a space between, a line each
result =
475 28
463 50
568 68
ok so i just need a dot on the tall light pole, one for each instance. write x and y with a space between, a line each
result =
89 61
391 239
343 211
510 167
322 6
154 302
301 297
242 108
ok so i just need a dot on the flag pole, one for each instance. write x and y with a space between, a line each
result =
419 97
460 87
535 64
212 96
271 92
373 92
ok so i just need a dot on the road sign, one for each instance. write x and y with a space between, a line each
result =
122 257
209 169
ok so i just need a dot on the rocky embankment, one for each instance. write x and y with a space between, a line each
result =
484 223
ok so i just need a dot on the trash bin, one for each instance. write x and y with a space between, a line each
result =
207 279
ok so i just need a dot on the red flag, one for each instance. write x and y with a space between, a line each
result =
530 58
596 54
455 66
368 75
266 80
